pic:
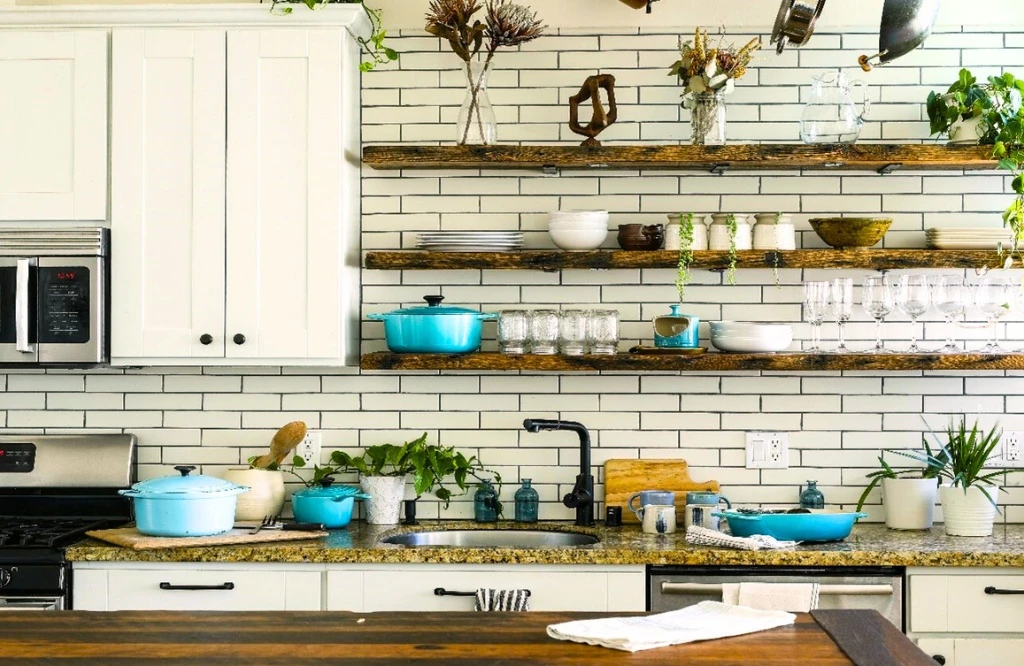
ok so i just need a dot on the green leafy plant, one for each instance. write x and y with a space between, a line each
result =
685 253
964 100
934 462
373 47
730 222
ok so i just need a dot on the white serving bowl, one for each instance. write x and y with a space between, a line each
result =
593 217
751 328
589 239
740 344
577 226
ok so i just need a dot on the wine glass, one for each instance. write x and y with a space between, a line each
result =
913 298
878 301
993 298
951 297
816 303
842 308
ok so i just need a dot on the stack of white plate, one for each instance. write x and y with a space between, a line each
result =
987 238
578 229
750 337
470 241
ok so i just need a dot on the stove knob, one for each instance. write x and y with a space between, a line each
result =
5 577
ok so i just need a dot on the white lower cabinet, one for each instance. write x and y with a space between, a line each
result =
968 617
255 587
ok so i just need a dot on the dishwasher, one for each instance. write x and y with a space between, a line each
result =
874 588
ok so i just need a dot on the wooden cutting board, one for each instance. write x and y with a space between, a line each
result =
623 478
129 537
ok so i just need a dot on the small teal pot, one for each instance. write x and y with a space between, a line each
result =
677 330
330 505
434 329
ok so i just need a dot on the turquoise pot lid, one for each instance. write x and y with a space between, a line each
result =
433 308
185 484
332 491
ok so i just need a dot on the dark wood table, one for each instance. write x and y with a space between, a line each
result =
296 639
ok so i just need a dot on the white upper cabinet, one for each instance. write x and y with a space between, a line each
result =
53 125
167 174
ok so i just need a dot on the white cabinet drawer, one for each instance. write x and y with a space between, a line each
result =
221 590
987 652
550 589
959 603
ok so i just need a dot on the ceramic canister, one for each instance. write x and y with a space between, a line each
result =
718 233
700 234
774 232
677 330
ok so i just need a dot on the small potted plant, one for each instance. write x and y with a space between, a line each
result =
960 112
908 494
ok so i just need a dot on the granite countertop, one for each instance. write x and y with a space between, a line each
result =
868 545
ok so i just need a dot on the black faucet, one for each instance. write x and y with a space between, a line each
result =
582 496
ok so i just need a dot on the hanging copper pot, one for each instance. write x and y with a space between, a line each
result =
639 4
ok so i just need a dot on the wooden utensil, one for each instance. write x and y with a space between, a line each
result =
129 537
623 478
285 440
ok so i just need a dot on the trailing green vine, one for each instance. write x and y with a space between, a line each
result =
685 253
373 47
775 255
730 222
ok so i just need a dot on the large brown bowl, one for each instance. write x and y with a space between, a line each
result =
851 232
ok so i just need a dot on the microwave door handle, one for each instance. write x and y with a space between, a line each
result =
23 306
830 590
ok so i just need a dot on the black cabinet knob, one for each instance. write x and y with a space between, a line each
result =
206 339
939 659
239 339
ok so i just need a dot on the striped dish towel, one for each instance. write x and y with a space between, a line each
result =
702 536
489 601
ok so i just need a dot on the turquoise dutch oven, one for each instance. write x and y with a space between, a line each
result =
328 504
434 329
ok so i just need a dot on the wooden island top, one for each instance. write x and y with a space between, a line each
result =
300 638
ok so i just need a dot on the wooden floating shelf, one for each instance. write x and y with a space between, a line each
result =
883 158
710 362
553 260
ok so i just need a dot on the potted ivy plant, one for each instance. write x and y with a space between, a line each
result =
374 49
908 494
959 113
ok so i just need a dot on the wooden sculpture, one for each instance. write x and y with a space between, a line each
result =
601 119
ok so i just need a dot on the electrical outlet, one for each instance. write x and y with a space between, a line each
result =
309 448
1010 453
767 450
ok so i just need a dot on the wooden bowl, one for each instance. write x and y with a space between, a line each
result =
851 232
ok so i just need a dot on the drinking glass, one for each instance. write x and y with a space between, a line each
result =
544 332
817 296
878 301
513 331
951 297
603 331
913 298
572 332
841 305
993 297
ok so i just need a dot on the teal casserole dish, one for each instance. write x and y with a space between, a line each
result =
813 526
433 329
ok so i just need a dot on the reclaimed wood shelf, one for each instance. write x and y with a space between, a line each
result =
709 362
883 158
554 260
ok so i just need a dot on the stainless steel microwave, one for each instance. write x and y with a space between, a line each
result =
54 292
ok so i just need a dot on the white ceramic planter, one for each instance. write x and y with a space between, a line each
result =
266 494
909 503
772 234
386 495
700 234
968 514
718 233
966 132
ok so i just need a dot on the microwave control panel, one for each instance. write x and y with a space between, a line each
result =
64 305
17 458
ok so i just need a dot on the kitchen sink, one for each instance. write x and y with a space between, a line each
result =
492 539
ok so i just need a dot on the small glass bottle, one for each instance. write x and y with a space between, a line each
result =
485 503
812 498
527 503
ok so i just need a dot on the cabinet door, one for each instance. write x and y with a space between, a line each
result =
168 194
288 100
988 651
53 125
221 590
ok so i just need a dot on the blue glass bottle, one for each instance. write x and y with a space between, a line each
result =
812 498
527 503
485 503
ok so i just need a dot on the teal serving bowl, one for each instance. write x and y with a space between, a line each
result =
814 526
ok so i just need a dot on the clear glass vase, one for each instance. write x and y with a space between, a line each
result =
707 118
477 124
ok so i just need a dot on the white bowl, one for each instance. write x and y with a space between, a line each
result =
585 217
590 239
577 226
751 328
741 344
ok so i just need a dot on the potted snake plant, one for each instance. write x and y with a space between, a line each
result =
908 494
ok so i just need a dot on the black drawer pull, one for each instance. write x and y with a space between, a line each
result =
223 586
441 592
996 590
939 659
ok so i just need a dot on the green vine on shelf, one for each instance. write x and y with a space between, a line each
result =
685 253
730 222
373 47
776 257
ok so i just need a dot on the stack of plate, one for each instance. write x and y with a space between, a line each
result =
987 238
470 241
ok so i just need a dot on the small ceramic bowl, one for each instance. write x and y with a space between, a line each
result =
579 239
851 232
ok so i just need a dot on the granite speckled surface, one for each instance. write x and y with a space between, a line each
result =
868 545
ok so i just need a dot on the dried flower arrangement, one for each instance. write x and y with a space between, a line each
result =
705 69
506 25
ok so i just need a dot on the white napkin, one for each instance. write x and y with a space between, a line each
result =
705 621
702 536
788 597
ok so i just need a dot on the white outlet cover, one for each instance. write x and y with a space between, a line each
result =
767 450
310 448
1010 452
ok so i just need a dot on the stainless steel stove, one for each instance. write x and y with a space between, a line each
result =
53 489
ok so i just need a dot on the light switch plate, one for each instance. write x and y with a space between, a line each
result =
767 450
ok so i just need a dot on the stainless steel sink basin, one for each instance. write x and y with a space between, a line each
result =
492 539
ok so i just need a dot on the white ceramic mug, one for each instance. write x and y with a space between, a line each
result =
658 518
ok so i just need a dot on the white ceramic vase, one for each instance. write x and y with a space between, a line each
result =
774 232
968 514
967 132
909 503
386 495
266 497
700 234
718 233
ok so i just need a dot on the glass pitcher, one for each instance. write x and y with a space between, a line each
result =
831 114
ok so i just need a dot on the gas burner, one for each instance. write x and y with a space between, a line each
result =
46 532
